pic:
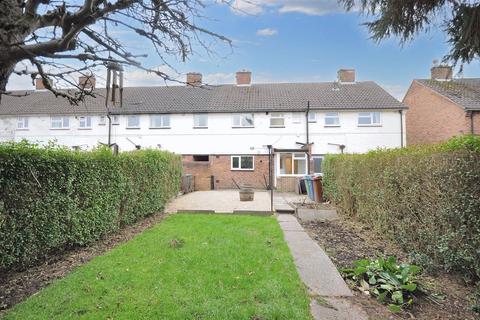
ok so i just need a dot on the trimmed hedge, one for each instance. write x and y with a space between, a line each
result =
425 198
53 198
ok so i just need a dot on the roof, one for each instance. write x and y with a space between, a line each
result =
225 98
464 92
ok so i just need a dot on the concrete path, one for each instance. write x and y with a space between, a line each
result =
319 274
307 215
220 201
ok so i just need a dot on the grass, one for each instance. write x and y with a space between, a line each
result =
187 267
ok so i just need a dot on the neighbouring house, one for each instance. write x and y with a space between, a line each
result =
226 134
442 107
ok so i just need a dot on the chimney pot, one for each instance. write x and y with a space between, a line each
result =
441 73
194 79
244 78
346 75
86 82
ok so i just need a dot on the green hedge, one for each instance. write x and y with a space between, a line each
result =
53 199
425 198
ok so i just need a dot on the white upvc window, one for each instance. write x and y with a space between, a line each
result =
60 122
369 119
133 122
332 119
317 164
200 120
115 119
243 120
242 163
292 164
277 120
159 121
22 123
297 117
85 122
312 117
102 120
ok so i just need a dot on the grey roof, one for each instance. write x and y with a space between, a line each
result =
224 98
464 92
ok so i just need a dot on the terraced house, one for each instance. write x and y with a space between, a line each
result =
226 134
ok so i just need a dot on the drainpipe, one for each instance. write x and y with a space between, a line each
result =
401 127
109 129
308 136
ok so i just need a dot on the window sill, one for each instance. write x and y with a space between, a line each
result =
59 128
240 127
84 128
312 121
200 127
369 125
242 170
332 126
115 124
24 129
156 128
277 126
102 124
133 128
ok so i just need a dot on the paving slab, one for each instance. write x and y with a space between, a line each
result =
315 268
308 215
336 309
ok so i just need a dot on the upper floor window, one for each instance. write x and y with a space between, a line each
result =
368 118
60 122
102 121
160 121
115 119
244 120
200 120
312 117
133 121
297 117
332 119
242 163
22 123
277 119
85 122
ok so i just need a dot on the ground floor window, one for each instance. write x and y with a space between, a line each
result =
242 163
201 157
317 164
293 163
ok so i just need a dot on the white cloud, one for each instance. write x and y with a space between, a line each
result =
309 7
267 32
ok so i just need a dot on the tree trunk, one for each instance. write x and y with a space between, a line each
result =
6 70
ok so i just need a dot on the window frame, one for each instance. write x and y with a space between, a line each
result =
102 120
115 119
321 164
371 117
62 122
162 118
241 115
132 116
297 117
312 119
294 157
328 115
232 168
196 124
24 122
277 116
88 121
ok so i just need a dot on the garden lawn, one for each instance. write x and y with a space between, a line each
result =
187 267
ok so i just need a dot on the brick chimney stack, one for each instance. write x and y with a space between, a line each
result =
194 79
244 78
86 82
39 84
441 73
346 75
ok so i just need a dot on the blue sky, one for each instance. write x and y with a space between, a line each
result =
297 41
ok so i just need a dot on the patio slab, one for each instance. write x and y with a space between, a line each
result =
220 201
307 215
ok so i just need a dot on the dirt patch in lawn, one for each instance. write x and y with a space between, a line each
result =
346 241
16 286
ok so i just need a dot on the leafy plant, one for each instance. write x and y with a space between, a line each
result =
386 280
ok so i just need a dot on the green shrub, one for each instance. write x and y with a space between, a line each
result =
386 280
53 198
425 198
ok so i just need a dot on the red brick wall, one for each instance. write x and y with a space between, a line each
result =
432 118
219 166
476 122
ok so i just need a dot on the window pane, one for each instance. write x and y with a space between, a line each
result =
277 122
201 120
247 162
115 119
133 121
235 163
166 120
247 120
66 121
285 163
364 118
236 120
376 117
102 120
312 116
332 118
317 164
300 166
